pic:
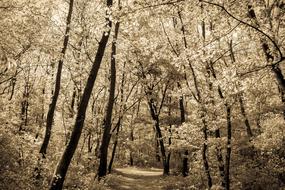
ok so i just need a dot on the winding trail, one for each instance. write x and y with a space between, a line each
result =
136 179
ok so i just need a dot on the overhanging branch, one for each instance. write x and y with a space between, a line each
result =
249 25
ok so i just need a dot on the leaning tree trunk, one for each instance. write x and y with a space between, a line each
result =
102 170
162 148
118 125
114 146
52 106
62 167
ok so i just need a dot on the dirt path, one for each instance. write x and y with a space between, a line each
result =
136 179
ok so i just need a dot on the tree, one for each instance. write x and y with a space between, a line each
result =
52 107
102 170
62 167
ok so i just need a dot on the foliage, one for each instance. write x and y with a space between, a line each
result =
196 59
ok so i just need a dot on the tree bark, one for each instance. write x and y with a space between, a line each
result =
72 102
102 170
52 107
131 153
185 167
114 147
162 148
220 158
13 84
229 149
118 125
155 117
62 167
204 154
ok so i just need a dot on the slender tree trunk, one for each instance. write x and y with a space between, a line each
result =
242 108
205 130
199 99
52 107
118 125
204 154
205 146
162 148
210 70
72 102
102 170
229 149
159 138
246 121
89 143
157 154
169 138
13 84
131 152
113 155
185 167
220 158
62 167
114 147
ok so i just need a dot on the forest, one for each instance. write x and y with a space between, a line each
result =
142 94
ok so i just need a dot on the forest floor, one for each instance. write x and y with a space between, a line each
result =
136 179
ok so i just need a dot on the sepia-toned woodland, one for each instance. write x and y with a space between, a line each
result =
142 94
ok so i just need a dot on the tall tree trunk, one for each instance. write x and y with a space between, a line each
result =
199 99
229 148
72 102
246 121
102 170
211 71
157 154
89 142
205 146
52 107
131 152
114 147
162 148
155 117
13 84
204 154
185 167
118 125
220 158
62 167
